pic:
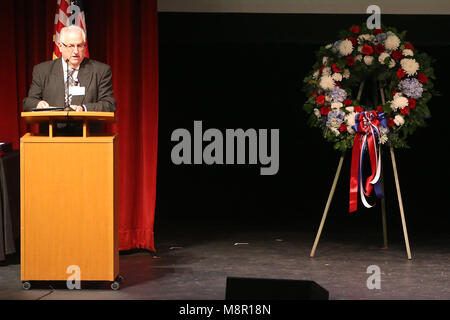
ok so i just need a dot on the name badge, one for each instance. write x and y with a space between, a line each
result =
76 91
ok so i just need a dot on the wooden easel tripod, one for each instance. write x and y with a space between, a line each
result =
383 203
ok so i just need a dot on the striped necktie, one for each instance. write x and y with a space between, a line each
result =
71 82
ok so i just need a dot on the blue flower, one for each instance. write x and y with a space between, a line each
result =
411 88
335 118
338 94
381 37
335 47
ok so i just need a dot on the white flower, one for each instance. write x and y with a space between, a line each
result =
328 46
335 131
408 53
350 130
383 134
350 109
326 71
368 60
358 57
360 48
392 42
315 74
328 98
333 123
345 47
399 120
326 82
382 57
410 66
324 61
366 37
350 118
346 74
317 113
399 102
336 105
337 77
391 64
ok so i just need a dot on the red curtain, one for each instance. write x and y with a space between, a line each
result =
26 27
123 34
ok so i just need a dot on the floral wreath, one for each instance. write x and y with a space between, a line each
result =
335 84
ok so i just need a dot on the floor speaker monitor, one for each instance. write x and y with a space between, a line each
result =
273 289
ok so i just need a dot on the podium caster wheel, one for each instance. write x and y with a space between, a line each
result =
119 278
26 285
115 285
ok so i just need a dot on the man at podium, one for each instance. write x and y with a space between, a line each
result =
63 235
72 82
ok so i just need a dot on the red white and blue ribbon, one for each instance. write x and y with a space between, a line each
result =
367 137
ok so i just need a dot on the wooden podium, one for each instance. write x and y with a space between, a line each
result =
69 208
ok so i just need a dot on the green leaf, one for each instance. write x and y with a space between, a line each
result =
387 107
426 111
337 145
402 34
308 107
341 64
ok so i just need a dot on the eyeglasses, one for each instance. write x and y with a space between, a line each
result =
71 47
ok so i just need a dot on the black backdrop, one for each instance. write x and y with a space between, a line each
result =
246 71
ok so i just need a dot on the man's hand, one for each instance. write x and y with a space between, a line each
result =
42 104
76 108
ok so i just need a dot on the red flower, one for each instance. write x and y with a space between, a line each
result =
405 110
390 122
422 78
335 68
400 73
379 48
377 31
324 110
408 45
380 109
353 40
367 50
354 29
320 99
314 94
411 103
338 84
343 128
350 61
397 54
394 92
320 69
359 109
347 102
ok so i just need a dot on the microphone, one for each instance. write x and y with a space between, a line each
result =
66 103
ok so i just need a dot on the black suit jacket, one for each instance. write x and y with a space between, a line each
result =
48 85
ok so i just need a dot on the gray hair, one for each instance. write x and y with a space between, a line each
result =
69 29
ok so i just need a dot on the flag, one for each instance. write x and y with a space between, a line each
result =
68 12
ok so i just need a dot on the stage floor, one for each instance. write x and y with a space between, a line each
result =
192 265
